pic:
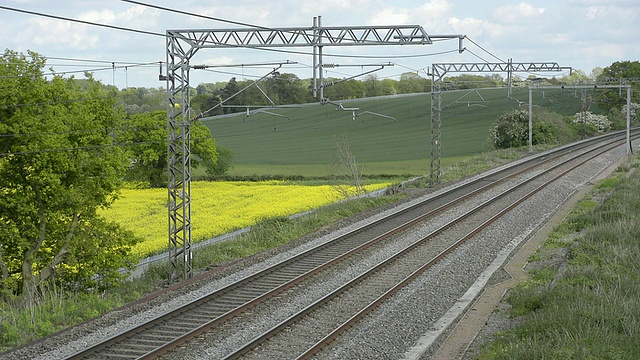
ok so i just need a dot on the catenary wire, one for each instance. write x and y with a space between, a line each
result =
217 19
81 21
164 35
111 68
483 49
157 7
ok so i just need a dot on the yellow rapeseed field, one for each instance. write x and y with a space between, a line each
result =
216 208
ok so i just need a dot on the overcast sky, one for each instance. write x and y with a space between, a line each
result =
583 34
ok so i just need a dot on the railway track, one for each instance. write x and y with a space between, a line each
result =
317 324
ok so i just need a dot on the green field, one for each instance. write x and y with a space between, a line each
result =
302 141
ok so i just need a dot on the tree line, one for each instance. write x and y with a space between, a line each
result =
226 97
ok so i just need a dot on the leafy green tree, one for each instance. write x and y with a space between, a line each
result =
372 85
411 83
287 89
470 81
612 98
209 88
576 77
138 100
59 162
204 103
343 90
388 87
148 154
222 165
228 91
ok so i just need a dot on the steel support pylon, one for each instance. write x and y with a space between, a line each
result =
438 71
181 46
179 159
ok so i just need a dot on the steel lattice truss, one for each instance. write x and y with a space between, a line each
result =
182 45
441 69
311 36
438 71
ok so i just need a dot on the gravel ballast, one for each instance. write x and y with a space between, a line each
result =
408 326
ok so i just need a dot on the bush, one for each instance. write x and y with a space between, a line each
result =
512 129
600 122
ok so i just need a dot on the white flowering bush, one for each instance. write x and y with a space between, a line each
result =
600 122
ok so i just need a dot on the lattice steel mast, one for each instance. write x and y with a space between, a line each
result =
438 71
182 45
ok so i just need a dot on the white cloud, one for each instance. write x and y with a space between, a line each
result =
50 32
558 39
389 16
219 60
429 12
474 28
592 12
138 16
98 16
579 33
514 14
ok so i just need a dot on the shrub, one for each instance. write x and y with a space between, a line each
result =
512 129
600 122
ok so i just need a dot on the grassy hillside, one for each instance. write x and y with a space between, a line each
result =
302 140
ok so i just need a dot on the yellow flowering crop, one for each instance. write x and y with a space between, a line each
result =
216 208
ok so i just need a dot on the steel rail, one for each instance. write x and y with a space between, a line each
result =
294 282
316 348
248 347
255 299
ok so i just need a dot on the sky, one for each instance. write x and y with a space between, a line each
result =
582 34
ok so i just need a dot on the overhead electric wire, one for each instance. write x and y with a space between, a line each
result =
390 57
483 49
157 7
136 30
479 57
81 21
110 68
495 56
89 60
96 61
216 19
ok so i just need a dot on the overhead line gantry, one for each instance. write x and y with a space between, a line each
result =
438 71
182 45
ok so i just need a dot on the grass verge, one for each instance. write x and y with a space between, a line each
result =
583 302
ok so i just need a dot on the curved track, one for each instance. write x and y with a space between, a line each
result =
180 326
